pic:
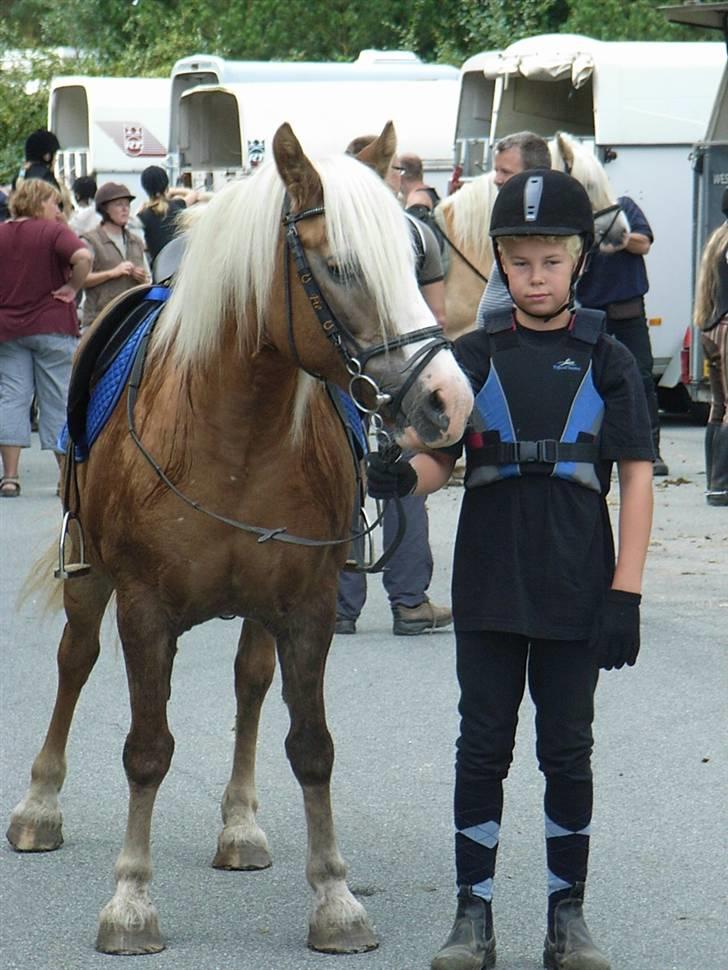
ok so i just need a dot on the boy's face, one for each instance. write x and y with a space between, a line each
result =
539 278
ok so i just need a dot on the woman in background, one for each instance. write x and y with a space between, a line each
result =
159 213
711 318
44 266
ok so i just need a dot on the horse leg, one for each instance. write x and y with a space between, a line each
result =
242 843
338 922
128 923
36 823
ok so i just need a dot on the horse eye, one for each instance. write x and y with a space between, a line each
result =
336 272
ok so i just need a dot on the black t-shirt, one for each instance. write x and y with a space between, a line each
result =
159 230
534 554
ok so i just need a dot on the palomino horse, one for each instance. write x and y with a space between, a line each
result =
464 219
229 419
568 154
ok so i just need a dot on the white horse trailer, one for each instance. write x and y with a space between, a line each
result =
226 130
112 126
372 65
642 105
710 180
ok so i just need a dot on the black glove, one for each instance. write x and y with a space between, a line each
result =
616 634
385 479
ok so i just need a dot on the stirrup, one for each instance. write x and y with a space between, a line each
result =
71 570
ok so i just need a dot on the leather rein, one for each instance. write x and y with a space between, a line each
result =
355 363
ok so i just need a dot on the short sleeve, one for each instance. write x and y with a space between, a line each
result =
626 430
67 242
431 271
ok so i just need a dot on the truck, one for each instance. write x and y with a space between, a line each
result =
112 126
710 179
223 114
642 106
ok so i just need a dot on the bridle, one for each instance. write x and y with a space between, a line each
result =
343 340
355 363
615 208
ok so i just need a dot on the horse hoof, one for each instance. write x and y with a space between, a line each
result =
129 941
34 836
354 938
241 852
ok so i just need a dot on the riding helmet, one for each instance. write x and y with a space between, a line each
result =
542 202
154 180
110 192
41 144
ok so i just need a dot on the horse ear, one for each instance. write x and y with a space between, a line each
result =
566 149
378 153
298 174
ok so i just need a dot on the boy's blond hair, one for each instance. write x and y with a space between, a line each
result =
572 244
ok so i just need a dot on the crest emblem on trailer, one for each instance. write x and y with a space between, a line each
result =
133 139
256 152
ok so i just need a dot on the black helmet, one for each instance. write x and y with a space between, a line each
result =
39 144
542 202
154 180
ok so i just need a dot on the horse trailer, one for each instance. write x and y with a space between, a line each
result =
225 131
112 126
710 180
384 71
642 106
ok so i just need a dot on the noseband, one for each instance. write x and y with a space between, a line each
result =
355 356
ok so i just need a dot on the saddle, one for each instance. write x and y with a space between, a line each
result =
104 361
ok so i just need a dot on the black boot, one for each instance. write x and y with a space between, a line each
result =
717 444
659 468
569 945
471 943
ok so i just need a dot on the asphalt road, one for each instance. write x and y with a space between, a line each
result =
657 891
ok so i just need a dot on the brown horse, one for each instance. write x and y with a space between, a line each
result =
234 418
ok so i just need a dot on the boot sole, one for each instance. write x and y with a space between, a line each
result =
463 961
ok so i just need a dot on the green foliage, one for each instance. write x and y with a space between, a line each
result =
146 37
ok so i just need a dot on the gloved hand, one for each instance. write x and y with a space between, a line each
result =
385 479
616 634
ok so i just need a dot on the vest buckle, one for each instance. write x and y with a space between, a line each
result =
548 451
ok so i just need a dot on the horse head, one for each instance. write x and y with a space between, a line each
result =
611 226
352 251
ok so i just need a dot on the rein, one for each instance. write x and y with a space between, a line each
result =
462 256
616 208
340 337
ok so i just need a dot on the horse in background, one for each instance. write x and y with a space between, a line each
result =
223 485
570 155
464 220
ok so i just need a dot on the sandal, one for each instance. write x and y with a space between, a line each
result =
9 487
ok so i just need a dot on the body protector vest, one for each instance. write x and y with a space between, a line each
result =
545 423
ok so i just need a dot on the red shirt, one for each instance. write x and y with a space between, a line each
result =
35 260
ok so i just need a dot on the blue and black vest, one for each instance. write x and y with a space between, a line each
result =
538 412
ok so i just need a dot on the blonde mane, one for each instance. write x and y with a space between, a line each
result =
230 260
706 289
469 212
569 155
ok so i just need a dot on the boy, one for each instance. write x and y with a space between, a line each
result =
536 590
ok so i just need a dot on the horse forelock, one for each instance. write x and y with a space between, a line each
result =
229 266
466 214
584 166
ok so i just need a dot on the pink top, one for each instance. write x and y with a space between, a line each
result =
35 260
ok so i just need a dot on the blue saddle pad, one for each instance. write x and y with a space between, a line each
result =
107 391
353 418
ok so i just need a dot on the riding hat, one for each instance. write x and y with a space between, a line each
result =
154 180
110 192
39 144
542 202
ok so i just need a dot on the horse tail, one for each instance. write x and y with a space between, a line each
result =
40 586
